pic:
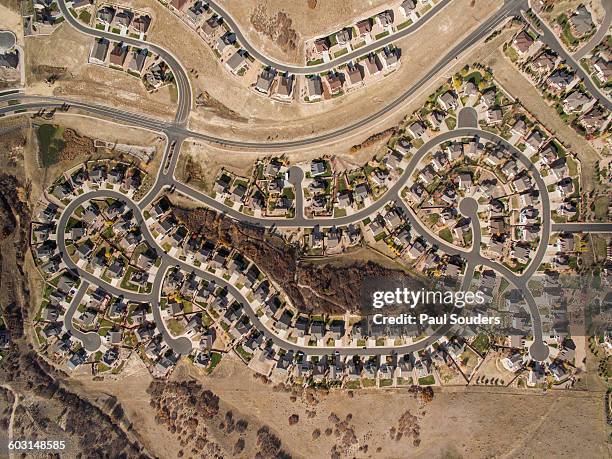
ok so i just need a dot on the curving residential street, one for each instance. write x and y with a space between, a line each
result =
596 39
310 69
468 207
176 133
510 8
550 38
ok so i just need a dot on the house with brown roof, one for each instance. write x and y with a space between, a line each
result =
522 42
284 90
364 27
335 82
178 4
142 23
322 44
118 54
373 64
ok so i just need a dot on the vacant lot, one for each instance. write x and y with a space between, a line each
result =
258 118
50 143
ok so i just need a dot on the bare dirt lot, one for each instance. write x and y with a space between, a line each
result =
47 57
10 19
463 422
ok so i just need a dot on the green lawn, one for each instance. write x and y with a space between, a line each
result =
427 380
446 235
601 207
175 327
572 166
342 52
511 53
481 343
242 353
85 16
50 144
215 358
367 382
405 24
315 62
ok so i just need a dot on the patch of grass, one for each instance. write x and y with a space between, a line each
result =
175 327
50 144
566 35
342 52
481 343
369 382
511 53
405 24
315 62
427 380
215 358
572 166
244 354
404 381
446 235
85 16
601 207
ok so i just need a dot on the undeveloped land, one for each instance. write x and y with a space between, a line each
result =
458 422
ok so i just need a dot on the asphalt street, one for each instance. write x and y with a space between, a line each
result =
582 227
91 340
467 118
177 132
509 9
472 256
